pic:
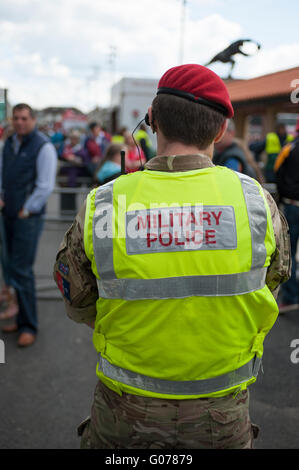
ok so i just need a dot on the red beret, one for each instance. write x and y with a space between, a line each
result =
199 84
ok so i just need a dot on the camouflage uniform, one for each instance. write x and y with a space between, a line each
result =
130 421
135 422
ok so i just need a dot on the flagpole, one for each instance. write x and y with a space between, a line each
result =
182 32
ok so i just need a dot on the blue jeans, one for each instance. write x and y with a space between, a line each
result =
290 290
22 237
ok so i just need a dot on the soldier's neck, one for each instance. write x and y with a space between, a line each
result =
177 148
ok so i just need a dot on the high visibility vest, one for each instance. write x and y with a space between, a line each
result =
143 135
273 147
117 139
273 144
180 260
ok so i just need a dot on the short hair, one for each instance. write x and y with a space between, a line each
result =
183 121
93 124
280 125
20 106
112 150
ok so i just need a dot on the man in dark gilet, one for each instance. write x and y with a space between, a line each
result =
27 179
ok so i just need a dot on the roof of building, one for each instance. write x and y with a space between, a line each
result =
59 110
266 86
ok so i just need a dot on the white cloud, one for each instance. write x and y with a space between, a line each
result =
273 60
207 37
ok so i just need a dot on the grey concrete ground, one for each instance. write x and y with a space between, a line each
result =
47 389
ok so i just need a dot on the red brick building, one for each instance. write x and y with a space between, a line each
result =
264 96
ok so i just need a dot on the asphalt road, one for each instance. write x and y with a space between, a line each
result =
47 389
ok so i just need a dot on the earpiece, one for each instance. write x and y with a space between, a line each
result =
146 119
147 122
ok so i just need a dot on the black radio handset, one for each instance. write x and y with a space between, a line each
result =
146 119
141 166
123 162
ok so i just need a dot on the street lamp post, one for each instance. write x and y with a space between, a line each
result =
182 32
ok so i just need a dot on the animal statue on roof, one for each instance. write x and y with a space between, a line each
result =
227 54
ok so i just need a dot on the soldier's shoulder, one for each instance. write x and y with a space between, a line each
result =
270 201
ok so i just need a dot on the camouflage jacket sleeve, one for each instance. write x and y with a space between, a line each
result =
279 270
73 274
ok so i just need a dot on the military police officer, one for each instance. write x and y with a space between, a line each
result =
176 269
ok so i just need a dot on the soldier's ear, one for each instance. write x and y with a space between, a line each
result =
151 119
221 132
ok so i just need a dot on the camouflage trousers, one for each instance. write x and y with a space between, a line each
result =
135 422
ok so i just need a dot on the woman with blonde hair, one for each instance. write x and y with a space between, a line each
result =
110 166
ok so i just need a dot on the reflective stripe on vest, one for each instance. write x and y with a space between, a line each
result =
173 387
185 286
257 216
110 287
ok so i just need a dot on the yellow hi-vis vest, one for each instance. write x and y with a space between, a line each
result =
273 148
140 134
273 144
180 260
117 139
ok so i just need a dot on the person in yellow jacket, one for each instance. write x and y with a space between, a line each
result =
176 268
271 145
119 137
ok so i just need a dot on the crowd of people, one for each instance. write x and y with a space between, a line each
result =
96 153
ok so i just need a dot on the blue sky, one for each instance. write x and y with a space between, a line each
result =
266 20
56 52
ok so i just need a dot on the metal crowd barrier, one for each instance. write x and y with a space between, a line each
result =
64 201
62 207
